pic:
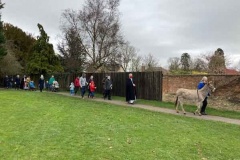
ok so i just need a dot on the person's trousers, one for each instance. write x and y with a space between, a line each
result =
104 92
204 105
91 94
76 89
72 92
17 86
107 94
83 90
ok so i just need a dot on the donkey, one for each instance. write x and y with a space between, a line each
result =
196 96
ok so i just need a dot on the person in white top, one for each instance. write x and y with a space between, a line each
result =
83 84
71 89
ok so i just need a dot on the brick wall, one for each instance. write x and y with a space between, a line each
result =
172 82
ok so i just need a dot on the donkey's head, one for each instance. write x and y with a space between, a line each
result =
211 86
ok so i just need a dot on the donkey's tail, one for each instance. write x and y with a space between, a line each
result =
176 101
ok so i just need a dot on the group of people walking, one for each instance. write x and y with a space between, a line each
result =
26 83
80 83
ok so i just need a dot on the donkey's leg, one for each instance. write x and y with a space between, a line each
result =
199 109
182 107
196 109
177 104
198 104
177 107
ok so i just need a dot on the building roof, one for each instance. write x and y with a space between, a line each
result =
231 71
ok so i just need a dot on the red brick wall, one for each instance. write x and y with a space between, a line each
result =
172 82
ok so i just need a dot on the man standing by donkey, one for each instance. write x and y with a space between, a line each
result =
201 84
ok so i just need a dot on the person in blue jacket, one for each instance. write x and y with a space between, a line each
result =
201 84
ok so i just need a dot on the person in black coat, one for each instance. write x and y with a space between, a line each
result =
22 82
17 82
103 83
41 83
6 82
108 88
130 90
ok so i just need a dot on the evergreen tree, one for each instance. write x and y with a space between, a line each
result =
185 61
3 50
217 62
43 59
19 43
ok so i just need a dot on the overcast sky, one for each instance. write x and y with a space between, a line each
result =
164 28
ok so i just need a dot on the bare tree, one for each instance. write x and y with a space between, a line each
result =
174 63
72 54
136 61
216 61
199 65
98 29
150 62
238 66
127 53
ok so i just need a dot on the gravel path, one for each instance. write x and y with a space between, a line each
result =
163 110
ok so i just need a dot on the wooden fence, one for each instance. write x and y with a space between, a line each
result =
148 84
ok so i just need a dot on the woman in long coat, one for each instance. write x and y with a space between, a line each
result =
41 83
22 82
130 90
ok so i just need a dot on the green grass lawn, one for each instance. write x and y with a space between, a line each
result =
38 125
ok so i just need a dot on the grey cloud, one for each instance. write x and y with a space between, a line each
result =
165 28
197 26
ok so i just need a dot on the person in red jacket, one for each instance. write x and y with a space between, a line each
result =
76 85
92 88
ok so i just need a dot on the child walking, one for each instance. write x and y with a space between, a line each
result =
71 89
92 88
